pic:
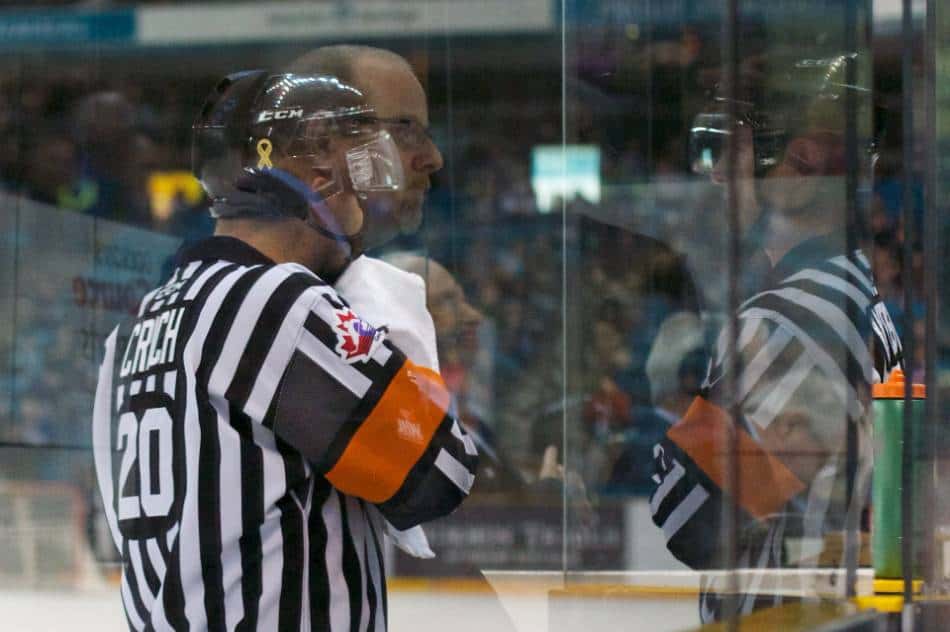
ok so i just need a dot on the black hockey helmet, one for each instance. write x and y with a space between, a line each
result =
255 120
776 100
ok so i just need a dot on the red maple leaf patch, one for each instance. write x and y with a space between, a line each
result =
357 339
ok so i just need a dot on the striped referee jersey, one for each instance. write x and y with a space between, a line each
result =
251 433
809 345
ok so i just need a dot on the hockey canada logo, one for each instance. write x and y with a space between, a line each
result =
357 340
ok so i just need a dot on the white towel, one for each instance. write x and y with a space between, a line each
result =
385 296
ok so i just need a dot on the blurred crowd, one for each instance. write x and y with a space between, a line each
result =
80 4
595 318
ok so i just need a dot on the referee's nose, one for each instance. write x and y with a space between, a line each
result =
427 159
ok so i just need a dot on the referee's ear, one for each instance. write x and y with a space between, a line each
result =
806 155
320 178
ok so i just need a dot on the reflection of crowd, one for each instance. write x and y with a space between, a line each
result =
51 376
887 226
88 146
83 146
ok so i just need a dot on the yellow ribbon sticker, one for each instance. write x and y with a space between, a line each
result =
264 148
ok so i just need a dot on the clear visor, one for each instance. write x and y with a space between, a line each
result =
376 165
708 141
712 132
373 164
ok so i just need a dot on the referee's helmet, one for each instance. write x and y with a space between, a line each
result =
776 100
254 124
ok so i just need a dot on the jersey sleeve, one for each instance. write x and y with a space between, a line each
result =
687 506
372 422
692 462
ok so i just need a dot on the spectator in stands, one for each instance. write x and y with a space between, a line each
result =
115 158
457 325
675 368
676 365
631 283
51 171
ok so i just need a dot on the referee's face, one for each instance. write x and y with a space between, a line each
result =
743 179
456 321
400 106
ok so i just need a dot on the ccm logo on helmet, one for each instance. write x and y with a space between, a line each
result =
279 115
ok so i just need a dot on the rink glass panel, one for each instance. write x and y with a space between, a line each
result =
566 213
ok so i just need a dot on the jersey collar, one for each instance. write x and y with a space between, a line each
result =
220 248
810 252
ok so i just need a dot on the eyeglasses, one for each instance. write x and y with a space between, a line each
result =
407 132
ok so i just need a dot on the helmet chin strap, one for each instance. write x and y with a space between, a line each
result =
287 195
344 242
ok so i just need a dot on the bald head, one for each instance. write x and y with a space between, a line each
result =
456 321
398 102
104 117
345 62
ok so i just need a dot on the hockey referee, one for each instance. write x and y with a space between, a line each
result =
810 342
252 433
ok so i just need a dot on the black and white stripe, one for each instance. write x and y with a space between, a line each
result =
261 405
813 339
